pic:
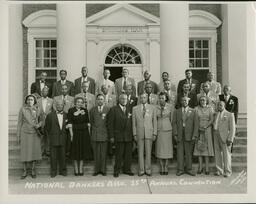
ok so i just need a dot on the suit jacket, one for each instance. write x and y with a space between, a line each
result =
145 127
132 101
98 123
226 126
35 89
214 86
171 97
164 118
119 85
231 104
110 84
194 86
90 99
56 89
177 124
192 102
78 83
56 135
153 98
48 109
120 124
110 101
69 103
141 87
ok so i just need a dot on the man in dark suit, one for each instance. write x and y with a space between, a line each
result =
99 135
120 131
192 103
80 80
151 97
142 84
231 101
57 86
55 128
183 132
37 87
194 84
131 99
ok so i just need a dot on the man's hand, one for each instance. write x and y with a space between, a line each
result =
229 143
154 137
135 138
112 140
194 138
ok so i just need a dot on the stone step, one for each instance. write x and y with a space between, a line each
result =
89 168
240 148
240 140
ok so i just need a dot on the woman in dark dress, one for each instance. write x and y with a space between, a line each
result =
78 120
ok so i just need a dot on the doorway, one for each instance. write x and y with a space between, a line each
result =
115 72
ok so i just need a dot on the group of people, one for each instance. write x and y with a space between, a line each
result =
85 119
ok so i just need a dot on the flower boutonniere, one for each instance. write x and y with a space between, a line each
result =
103 115
129 115
131 101
231 102
82 112
193 86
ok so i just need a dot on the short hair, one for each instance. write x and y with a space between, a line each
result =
188 70
124 68
84 67
146 71
100 94
227 86
186 97
148 82
144 93
206 83
221 102
202 96
62 70
77 98
106 69
165 73
31 95
167 80
162 93
186 83
121 95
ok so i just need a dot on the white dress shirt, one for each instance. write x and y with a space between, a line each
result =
44 103
60 119
122 107
63 81
218 118
84 79
184 111
100 109
42 85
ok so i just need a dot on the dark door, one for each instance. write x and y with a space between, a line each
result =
116 72
200 75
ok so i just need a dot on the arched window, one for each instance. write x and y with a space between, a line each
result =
123 54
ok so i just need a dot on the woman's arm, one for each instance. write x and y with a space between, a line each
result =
20 120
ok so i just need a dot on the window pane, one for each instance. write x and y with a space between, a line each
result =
39 53
205 43
46 63
39 63
46 53
191 63
205 63
46 43
198 53
191 44
38 43
53 63
198 43
51 75
53 53
191 54
53 43
198 63
205 53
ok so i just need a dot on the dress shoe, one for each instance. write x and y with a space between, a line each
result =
53 175
103 174
129 173
227 175
81 173
141 174
179 173
207 173
116 175
217 173
76 174
148 174
95 173
33 173
63 174
200 171
190 173
166 173
161 173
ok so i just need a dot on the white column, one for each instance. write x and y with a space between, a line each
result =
71 37
174 38
154 57
15 59
234 51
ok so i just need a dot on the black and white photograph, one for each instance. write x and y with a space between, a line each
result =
128 101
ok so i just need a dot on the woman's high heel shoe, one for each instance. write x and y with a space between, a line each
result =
200 171
33 173
24 175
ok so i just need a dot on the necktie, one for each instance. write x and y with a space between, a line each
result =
64 100
60 112
183 115
162 110
124 86
144 110
124 109
148 98
100 109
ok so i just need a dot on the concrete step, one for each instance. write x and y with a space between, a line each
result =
240 148
89 168
240 140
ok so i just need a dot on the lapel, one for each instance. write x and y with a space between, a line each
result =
179 114
56 118
187 113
